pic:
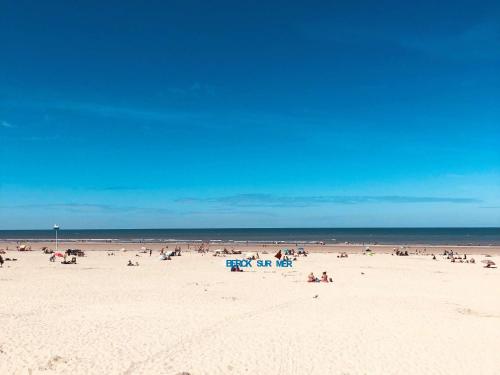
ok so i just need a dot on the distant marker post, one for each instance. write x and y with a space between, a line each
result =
56 229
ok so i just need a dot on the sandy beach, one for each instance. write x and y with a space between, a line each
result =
382 314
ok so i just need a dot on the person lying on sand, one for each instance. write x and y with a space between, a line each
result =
236 269
72 261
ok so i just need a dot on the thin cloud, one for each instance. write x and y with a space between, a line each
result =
124 113
478 42
108 111
195 91
116 188
269 200
228 212
201 119
86 207
481 41
6 124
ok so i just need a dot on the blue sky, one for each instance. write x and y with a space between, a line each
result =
166 114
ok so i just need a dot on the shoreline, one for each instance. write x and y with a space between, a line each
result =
248 246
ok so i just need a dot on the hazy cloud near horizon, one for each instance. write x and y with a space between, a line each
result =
270 200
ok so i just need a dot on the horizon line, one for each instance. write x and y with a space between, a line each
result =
258 228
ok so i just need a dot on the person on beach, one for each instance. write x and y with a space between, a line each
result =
324 277
1 261
311 278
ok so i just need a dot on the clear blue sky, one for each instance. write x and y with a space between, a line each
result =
142 114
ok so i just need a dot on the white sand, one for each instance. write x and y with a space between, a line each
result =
405 315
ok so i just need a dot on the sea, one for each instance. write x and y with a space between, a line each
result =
389 236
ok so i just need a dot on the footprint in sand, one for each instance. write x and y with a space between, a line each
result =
53 362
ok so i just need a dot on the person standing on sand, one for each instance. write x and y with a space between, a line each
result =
1 261
150 252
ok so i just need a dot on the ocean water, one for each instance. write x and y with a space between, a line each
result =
431 236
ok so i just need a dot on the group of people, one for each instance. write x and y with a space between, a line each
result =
292 252
324 278
456 258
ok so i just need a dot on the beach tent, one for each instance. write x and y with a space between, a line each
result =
488 262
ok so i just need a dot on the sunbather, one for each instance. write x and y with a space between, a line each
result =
311 278
324 277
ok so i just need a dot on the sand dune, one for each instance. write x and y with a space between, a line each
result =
382 315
